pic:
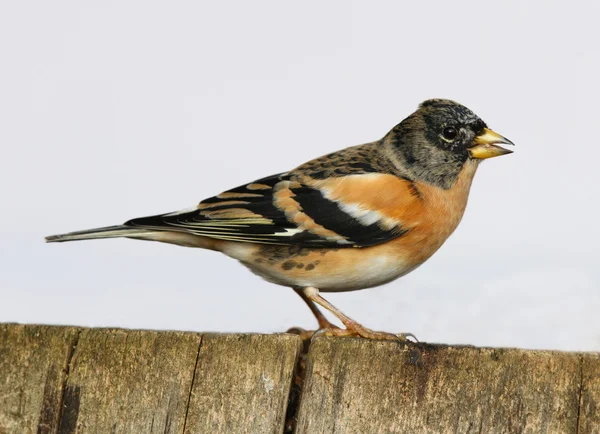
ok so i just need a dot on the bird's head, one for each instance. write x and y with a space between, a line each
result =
438 139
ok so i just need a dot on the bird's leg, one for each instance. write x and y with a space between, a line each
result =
352 327
323 321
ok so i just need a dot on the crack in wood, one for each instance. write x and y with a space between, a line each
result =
187 406
295 394
69 402
580 394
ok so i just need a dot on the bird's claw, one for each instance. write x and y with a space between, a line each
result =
356 331
404 337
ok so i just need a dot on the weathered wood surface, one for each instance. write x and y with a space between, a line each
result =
242 383
126 381
62 380
33 368
589 421
381 387
65 380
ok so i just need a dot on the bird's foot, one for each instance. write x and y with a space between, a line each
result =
358 330
307 335
311 296
367 333
405 336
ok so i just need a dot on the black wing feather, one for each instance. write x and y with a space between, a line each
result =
262 222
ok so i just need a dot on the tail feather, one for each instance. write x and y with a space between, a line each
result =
107 232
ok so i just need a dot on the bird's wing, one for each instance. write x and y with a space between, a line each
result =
350 211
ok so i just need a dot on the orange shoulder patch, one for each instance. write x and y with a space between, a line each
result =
396 200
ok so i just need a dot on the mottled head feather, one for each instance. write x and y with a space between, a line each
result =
419 145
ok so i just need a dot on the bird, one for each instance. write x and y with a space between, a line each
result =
349 220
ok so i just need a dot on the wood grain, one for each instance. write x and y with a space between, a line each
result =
589 420
127 381
242 383
356 386
33 366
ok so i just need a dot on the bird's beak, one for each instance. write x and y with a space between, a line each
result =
485 145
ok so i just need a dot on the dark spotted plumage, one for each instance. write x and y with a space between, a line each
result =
362 159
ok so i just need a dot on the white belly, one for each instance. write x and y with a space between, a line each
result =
363 272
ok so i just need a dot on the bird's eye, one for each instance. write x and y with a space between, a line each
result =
449 133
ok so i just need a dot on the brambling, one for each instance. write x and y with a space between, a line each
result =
349 220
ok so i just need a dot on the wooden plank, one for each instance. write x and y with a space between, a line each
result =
121 381
33 366
242 383
357 386
128 381
589 420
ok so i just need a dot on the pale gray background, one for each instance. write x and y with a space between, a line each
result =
113 110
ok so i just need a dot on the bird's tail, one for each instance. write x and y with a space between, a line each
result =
107 232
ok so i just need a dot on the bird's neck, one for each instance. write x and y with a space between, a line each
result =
435 170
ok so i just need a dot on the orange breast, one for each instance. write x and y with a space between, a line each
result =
439 216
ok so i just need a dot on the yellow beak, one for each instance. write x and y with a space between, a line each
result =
484 145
